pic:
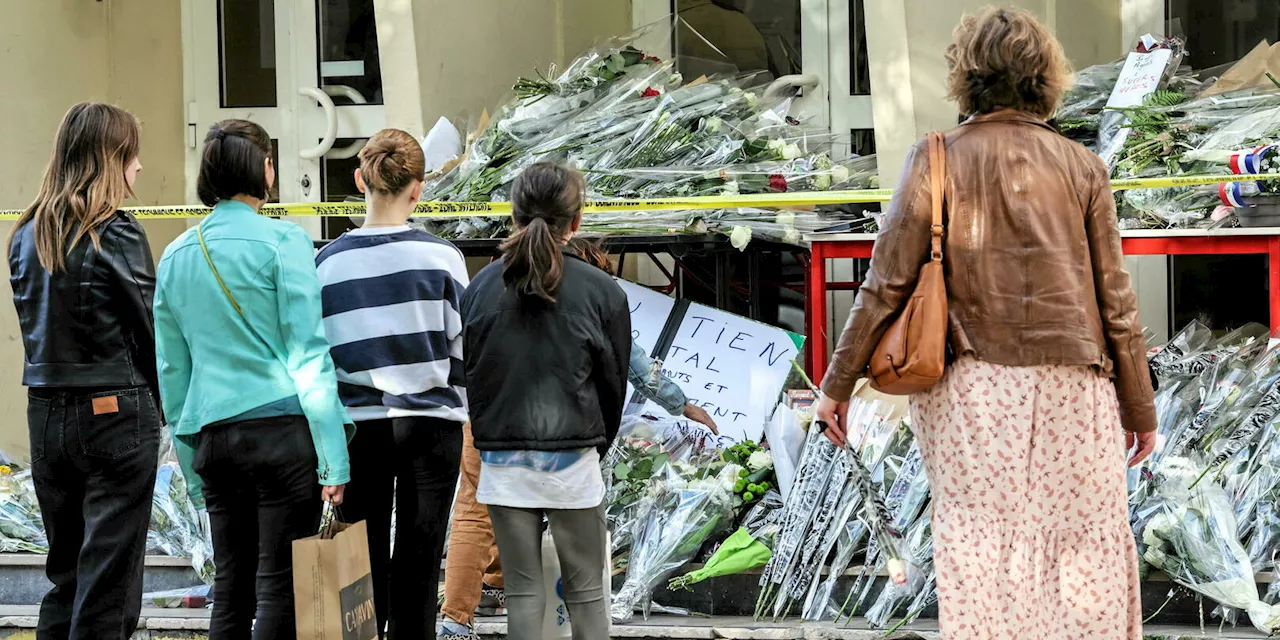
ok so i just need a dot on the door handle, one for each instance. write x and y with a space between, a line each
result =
794 81
331 122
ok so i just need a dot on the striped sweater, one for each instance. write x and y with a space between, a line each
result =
390 298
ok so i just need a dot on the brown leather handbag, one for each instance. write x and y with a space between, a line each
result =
912 354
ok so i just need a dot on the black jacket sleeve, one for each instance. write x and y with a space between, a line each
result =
611 369
133 271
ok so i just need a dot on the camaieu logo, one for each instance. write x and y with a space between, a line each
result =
359 617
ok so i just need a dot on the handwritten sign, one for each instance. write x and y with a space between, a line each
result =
733 367
649 312
1139 78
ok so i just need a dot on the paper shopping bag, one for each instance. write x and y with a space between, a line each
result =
332 585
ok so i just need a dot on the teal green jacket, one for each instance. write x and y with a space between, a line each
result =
215 364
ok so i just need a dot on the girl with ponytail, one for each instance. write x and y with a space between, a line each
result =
546 342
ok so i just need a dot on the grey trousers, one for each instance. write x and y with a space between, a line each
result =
580 537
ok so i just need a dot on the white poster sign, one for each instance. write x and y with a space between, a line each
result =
733 367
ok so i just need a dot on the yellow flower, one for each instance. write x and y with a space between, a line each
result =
5 470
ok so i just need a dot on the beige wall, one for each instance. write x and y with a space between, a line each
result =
466 55
58 53
908 71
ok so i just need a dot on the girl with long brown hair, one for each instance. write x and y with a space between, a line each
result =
546 342
83 279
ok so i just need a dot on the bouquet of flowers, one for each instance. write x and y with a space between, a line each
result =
21 528
678 514
757 476
176 528
1190 534
645 451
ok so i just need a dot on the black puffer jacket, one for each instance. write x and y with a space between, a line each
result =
541 376
89 325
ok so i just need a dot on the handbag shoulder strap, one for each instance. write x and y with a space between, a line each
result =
938 184
217 276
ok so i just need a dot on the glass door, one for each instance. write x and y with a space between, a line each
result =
308 71
814 48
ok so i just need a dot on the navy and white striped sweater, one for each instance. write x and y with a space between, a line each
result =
390 298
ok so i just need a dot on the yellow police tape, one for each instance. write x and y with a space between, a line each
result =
792 200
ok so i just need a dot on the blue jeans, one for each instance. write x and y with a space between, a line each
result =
93 462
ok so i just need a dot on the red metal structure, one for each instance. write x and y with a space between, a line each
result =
1136 243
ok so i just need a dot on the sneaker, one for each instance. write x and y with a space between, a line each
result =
493 601
450 630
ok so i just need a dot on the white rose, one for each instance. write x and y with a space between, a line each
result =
740 237
822 182
791 236
786 218
777 146
714 124
730 188
791 152
759 460
839 174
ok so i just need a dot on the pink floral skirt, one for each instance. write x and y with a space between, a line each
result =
1030 517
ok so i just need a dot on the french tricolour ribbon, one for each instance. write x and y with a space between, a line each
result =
1231 194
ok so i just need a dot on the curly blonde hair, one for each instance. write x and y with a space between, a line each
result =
1006 59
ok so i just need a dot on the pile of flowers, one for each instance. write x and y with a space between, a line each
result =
1180 129
637 129
176 528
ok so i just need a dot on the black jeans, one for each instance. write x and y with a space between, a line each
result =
93 462
262 493
415 460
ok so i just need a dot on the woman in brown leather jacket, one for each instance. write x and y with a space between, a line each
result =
1024 437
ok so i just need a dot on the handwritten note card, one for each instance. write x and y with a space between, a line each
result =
733 367
1139 78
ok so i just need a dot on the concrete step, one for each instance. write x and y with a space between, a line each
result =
18 623
22 579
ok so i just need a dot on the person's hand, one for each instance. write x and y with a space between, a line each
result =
1146 443
698 414
830 417
333 495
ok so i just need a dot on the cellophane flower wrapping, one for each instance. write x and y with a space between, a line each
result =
677 515
21 528
1190 533
637 129
176 528
640 456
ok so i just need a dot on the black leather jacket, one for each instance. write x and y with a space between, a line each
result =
89 325
546 377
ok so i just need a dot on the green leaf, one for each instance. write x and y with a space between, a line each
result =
622 471
661 461
616 63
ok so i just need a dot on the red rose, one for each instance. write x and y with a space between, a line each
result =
650 93
653 58
777 182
